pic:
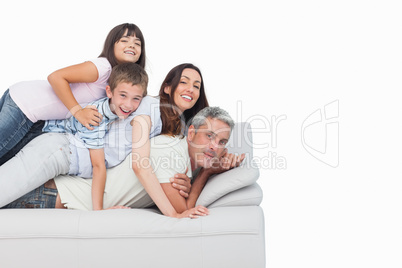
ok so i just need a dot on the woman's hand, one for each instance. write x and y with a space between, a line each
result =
194 213
119 207
88 116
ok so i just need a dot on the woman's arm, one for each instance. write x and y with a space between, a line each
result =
180 202
81 73
142 168
98 177
144 172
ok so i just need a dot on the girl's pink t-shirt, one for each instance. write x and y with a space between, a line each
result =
38 101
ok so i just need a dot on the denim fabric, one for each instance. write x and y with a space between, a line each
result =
13 124
35 131
41 197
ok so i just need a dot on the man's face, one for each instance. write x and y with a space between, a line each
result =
208 143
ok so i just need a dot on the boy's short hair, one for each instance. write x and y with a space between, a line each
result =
129 73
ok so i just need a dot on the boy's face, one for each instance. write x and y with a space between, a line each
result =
125 98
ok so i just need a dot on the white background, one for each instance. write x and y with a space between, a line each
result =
262 60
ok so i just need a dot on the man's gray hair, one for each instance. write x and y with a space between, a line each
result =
214 113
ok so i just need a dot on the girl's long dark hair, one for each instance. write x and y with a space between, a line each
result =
115 34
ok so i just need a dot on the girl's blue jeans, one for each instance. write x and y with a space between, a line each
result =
14 125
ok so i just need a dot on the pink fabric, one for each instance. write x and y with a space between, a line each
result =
39 102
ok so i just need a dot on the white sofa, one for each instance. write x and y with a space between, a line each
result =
231 236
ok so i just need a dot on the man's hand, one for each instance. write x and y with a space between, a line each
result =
224 163
182 183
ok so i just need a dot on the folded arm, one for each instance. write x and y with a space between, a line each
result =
226 162
80 73
179 202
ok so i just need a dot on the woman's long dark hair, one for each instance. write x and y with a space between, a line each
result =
115 34
172 122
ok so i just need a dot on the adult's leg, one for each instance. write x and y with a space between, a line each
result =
42 197
33 132
14 124
44 158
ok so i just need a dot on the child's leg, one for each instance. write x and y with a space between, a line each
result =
42 159
13 124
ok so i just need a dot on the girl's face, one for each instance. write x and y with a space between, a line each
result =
188 90
127 49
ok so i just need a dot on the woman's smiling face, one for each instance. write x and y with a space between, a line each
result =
188 90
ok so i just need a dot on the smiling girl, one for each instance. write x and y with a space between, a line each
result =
69 89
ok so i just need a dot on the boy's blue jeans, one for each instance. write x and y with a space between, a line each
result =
14 125
42 159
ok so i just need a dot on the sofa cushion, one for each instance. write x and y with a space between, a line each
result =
131 238
246 196
219 185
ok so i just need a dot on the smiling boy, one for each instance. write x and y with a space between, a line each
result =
70 148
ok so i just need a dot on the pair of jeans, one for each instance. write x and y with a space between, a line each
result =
14 124
44 158
41 197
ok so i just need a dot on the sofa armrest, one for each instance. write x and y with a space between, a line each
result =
246 196
222 184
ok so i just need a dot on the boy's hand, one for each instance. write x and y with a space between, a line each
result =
88 116
182 183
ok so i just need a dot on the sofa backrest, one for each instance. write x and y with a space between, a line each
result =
241 139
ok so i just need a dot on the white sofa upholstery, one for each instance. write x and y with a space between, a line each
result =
231 236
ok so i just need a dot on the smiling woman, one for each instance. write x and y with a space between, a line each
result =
185 83
182 95
187 91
